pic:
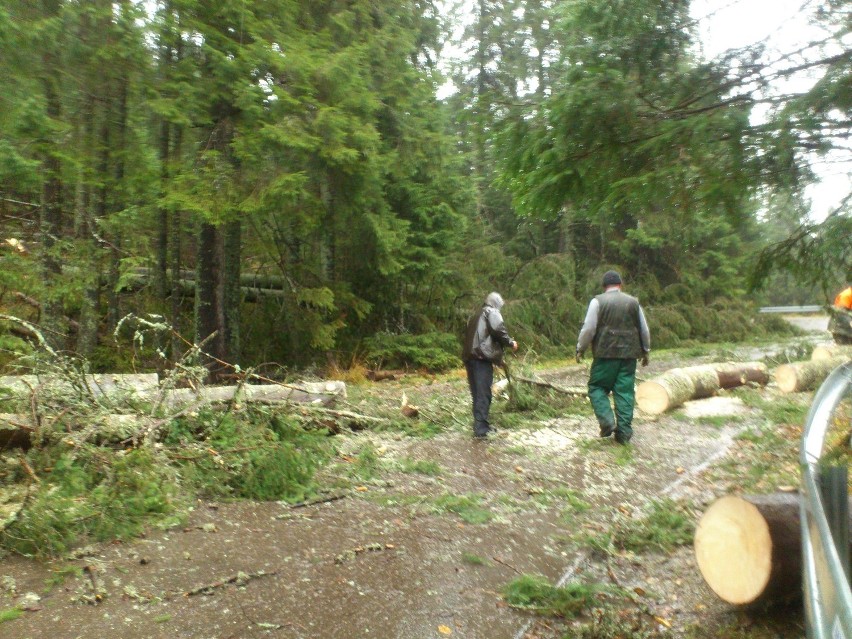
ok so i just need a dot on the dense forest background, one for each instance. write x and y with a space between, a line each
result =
278 181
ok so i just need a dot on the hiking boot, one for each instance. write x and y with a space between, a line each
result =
606 431
491 433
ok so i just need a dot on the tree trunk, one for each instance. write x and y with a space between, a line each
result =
87 335
805 376
50 222
161 273
678 385
209 294
231 289
120 147
175 262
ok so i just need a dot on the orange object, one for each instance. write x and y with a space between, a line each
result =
844 299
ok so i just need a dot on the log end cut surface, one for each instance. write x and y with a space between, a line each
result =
786 378
733 548
652 398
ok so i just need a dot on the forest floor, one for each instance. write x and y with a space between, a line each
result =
430 526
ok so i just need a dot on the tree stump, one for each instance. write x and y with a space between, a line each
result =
748 548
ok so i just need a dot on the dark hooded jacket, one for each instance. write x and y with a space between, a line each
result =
486 333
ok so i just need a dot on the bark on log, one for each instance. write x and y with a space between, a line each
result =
678 385
748 548
16 429
322 393
99 384
578 391
804 376
831 351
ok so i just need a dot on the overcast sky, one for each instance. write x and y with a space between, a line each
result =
783 25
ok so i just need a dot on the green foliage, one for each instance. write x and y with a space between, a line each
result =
542 311
90 494
533 592
435 352
252 455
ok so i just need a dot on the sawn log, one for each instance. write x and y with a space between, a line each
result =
797 377
679 385
748 548
831 351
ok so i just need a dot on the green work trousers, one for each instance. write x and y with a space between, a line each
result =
616 376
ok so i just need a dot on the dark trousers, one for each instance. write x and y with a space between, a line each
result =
480 376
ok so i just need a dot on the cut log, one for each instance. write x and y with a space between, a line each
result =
804 376
831 351
678 385
16 429
99 384
322 393
748 548
578 391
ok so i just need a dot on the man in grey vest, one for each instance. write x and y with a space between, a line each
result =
616 329
483 347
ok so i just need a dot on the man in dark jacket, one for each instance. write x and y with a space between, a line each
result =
616 329
483 347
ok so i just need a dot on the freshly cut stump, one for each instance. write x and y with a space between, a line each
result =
747 548
797 377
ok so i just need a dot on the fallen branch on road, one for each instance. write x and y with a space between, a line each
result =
240 579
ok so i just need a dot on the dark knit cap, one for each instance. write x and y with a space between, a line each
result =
611 278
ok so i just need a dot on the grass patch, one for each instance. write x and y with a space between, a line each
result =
10 614
562 494
474 560
664 526
777 410
61 575
162 618
535 593
467 507
420 466
610 623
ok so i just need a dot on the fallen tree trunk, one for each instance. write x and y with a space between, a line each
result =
98 384
16 430
804 376
322 393
678 385
577 391
831 351
748 548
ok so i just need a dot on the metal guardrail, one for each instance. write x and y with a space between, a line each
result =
827 595
814 308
